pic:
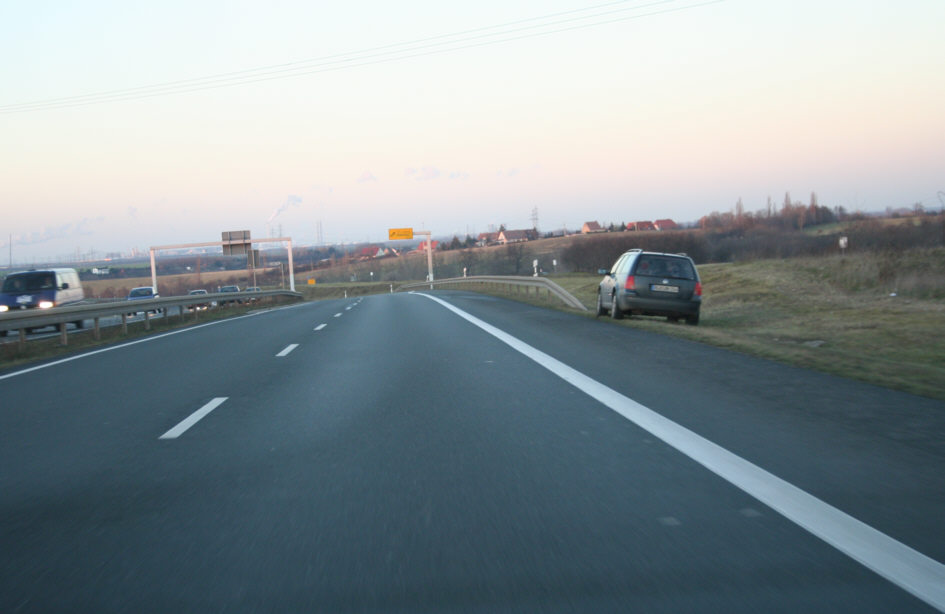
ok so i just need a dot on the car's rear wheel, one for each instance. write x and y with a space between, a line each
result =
693 319
615 312
600 305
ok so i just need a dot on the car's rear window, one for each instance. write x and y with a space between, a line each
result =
665 266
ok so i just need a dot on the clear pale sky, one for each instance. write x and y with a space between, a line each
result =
673 113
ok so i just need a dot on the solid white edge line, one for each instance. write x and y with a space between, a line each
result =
130 343
192 419
320 326
905 567
287 349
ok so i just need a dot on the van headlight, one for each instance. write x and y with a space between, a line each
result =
46 304
4 308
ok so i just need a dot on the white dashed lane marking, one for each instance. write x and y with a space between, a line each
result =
286 351
192 419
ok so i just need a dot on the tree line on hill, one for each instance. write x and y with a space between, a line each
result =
740 243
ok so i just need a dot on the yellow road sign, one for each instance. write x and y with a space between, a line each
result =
395 234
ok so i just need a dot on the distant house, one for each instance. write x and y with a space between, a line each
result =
665 225
641 226
487 238
423 246
517 236
366 253
590 227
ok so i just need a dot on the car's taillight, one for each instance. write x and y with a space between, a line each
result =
698 288
631 284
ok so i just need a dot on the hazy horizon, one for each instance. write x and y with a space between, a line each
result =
364 116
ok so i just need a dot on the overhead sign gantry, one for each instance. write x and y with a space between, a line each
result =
234 243
400 234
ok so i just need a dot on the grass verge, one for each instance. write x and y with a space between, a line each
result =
811 312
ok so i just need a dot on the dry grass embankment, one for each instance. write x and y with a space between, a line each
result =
836 315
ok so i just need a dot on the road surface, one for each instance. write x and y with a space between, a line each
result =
393 454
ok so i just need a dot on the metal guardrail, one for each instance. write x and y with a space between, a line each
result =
539 283
22 319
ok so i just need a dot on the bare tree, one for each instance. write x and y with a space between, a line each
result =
514 255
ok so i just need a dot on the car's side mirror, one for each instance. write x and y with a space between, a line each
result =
603 272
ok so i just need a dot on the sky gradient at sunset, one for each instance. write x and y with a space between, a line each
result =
453 116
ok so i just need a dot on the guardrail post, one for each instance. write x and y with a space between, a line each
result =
147 320
21 342
96 331
63 336
124 323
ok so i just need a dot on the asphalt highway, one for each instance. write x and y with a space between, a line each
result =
460 453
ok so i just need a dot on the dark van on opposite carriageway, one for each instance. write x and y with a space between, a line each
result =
40 289
651 284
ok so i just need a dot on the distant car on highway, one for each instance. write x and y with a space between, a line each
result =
198 306
253 289
651 284
230 289
142 293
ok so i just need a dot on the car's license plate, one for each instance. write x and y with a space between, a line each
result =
662 288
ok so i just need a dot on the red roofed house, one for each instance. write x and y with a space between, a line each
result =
665 225
589 227
641 226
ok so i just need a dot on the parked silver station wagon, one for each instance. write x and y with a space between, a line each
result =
651 284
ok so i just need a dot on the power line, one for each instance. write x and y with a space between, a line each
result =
553 23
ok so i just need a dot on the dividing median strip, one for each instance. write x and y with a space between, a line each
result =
193 418
905 567
286 351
